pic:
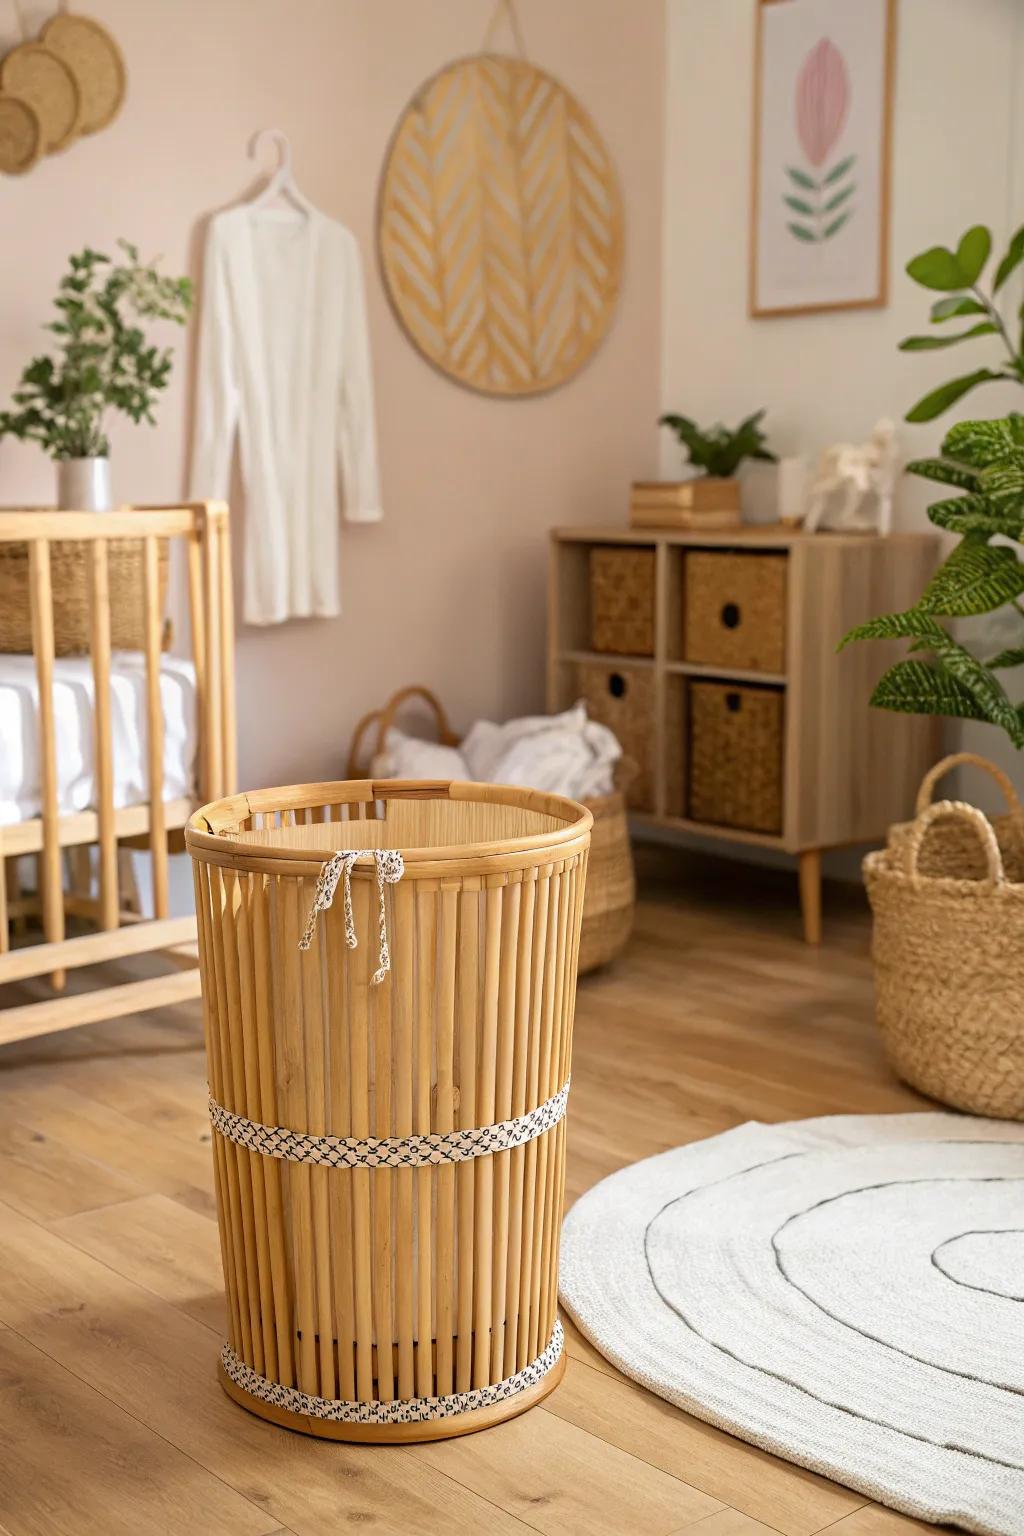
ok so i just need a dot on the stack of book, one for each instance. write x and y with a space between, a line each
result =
703 502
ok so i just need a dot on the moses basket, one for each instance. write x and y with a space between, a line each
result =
389 979
948 901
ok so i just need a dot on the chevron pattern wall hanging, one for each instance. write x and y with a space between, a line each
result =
500 227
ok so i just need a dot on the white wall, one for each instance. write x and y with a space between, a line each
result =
958 159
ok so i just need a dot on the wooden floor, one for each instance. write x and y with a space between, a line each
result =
110 1308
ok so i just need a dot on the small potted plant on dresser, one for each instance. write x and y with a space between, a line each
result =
710 498
103 362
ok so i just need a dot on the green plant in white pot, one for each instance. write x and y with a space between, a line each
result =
103 361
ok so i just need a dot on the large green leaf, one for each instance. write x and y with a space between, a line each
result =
975 579
1013 258
933 343
937 268
959 304
915 688
944 472
939 400
1004 481
981 443
892 626
986 690
973 252
974 514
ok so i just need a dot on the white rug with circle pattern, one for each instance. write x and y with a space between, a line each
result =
846 1292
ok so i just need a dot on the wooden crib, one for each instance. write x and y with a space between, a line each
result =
58 838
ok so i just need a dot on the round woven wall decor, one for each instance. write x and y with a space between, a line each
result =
21 138
43 79
95 60
499 227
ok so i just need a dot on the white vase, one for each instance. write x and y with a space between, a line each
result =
83 485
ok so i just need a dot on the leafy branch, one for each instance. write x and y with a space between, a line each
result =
103 360
985 460
957 274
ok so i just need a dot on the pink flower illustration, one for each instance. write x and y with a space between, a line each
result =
822 100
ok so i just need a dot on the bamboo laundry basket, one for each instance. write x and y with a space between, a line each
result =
388 1102
609 910
948 901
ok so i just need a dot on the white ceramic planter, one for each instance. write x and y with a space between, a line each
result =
83 485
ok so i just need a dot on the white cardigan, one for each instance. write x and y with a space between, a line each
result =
284 357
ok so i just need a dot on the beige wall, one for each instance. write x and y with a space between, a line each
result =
449 590
958 159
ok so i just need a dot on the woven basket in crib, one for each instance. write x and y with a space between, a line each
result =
948 901
69 573
609 903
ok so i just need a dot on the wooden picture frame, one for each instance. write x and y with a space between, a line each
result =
824 71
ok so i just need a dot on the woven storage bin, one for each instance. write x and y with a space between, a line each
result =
947 896
389 1138
735 610
735 756
622 601
622 698
71 611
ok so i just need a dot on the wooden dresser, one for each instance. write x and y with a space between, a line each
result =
728 693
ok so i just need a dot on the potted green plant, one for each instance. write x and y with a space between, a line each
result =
103 361
985 461
715 453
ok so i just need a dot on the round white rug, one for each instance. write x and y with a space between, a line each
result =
845 1292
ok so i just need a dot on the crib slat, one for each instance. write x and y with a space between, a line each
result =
197 622
155 726
229 728
103 757
41 592
212 717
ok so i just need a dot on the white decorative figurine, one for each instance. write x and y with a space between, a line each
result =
852 488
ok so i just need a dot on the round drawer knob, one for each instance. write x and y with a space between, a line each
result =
730 615
733 703
617 685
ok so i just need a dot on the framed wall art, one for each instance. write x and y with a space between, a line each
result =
822 125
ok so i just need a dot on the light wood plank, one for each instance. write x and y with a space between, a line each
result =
45 1018
110 1476
94 948
560 1478
873 1520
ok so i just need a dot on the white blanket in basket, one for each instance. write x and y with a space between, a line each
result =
563 754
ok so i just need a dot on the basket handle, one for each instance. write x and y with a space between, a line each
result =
386 717
960 759
957 810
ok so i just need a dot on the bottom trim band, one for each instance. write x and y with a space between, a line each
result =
406 1410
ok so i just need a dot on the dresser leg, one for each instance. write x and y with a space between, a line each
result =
810 894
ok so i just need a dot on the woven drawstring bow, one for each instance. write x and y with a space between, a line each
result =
390 869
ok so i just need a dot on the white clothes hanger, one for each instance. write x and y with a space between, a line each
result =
282 182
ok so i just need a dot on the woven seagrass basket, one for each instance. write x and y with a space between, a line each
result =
388 1081
71 607
609 908
948 901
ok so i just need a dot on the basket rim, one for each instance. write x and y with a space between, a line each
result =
883 864
210 826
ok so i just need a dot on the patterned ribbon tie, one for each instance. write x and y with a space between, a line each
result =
390 869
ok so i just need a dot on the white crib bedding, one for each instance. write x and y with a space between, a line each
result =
73 703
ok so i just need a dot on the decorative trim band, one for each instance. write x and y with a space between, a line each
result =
389 1151
405 1410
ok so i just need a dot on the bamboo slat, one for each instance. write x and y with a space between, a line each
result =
42 646
368 1284
155 726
